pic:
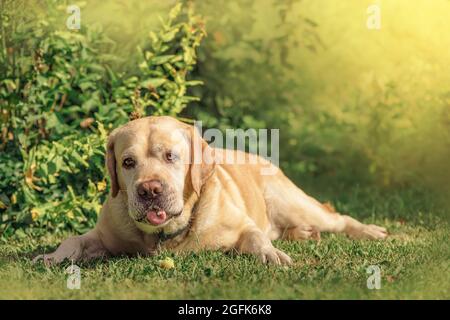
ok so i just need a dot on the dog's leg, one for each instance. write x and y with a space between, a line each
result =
323 220
301 232
84 247
299 216
253 241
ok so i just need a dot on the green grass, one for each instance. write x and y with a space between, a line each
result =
414 263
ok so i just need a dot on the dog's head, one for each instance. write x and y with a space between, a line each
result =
157 163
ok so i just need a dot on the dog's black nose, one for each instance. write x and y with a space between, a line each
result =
150 189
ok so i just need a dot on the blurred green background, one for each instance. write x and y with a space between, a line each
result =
355 106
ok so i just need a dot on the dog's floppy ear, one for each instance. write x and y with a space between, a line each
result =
202 160
111 165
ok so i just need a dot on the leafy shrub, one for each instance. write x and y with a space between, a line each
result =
59 97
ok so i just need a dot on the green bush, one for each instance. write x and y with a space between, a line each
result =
60 96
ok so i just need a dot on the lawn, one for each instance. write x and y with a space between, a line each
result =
414 263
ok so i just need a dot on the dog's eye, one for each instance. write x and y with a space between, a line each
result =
128 163
171 157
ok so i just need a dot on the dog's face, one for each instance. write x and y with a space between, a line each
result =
154 162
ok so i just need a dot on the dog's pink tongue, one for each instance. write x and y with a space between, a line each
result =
156 217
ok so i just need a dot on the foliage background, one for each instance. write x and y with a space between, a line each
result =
355 106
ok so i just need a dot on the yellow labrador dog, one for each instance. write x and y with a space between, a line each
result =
168 191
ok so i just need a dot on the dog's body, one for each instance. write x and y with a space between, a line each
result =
163 197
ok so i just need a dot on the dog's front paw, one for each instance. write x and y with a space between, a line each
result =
49 259
275 256
70 249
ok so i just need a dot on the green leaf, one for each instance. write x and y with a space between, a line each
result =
155 82
162 59
175 11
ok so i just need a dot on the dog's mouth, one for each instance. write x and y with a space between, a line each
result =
156 216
